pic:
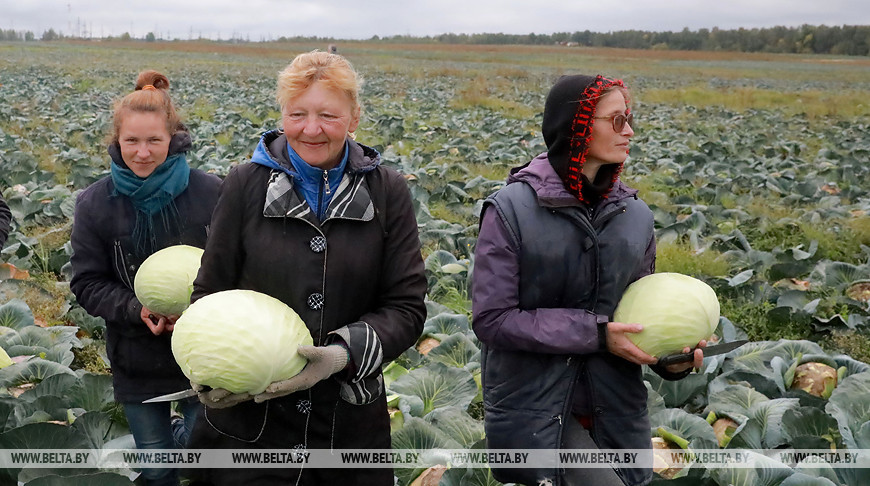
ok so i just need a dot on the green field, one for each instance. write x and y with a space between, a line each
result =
757 167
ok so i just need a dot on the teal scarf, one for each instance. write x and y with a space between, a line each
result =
152 196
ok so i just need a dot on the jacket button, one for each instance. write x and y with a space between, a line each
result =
599 410
317 244
315 301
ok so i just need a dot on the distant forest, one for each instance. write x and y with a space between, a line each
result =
851 40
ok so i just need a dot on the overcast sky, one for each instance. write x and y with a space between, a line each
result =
361 19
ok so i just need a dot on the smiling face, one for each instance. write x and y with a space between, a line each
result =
144 141
608 146
316 123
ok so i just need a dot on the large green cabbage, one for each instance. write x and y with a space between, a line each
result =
675 310
239 340
164 281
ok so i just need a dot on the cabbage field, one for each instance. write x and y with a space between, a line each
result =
757 168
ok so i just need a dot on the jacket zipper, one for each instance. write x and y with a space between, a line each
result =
566 409
326 182
320 209
599 220
120 261
590 226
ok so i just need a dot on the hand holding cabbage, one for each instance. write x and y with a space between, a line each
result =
220 397
621 345
323 362
158 324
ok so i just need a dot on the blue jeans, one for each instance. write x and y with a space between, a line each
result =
153 428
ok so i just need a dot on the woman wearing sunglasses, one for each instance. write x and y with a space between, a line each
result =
558 245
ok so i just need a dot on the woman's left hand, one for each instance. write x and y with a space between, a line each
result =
323 362
219 397
697 362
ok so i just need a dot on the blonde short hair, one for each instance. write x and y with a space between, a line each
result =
306 69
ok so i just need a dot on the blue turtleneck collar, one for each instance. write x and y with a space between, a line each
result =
310 181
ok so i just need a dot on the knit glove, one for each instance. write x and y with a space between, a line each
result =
218 397
323 362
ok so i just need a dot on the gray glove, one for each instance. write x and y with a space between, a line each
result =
218 397
323 362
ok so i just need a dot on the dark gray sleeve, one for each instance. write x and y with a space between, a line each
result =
5 221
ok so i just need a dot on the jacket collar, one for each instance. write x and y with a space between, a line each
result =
551 191
272 152
350 201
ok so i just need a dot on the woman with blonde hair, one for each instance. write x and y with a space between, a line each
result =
151 200
317 222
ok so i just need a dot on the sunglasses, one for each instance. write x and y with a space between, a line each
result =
619 121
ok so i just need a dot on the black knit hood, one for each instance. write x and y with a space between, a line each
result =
567 130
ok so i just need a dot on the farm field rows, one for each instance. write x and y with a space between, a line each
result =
757 168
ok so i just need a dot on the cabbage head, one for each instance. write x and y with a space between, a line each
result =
164 281
5 360
240 340
675 311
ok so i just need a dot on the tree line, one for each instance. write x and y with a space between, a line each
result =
852 40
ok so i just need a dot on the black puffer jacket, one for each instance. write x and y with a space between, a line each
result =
105 262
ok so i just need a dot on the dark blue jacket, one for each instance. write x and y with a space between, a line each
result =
548 274
105 262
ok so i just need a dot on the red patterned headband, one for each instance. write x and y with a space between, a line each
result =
581 130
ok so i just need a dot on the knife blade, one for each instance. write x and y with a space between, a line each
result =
708 351
169 397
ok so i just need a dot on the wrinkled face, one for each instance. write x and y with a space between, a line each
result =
317 122
607 145
144 141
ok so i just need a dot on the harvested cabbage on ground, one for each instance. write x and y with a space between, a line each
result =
239 340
